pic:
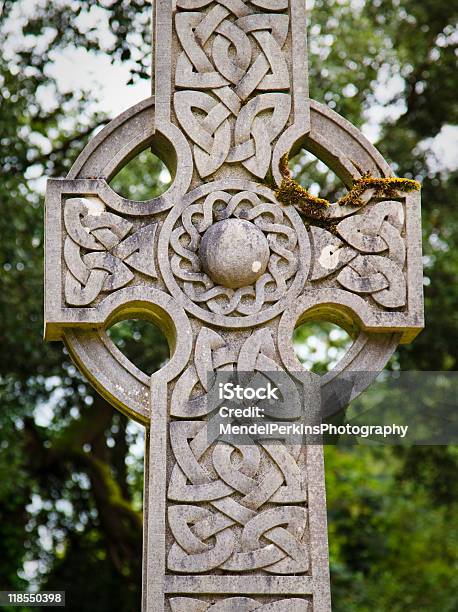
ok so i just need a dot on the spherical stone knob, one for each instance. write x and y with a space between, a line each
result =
234 253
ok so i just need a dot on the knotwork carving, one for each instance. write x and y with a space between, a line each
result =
244 530
228 526
100 250
237 604
283 229
230 52
371 255
212 355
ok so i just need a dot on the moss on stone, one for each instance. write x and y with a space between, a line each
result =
313 207
386 187
293 194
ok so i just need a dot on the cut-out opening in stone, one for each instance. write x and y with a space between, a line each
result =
320 345
142 342
312 174
144 177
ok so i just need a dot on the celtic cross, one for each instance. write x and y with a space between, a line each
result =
227 272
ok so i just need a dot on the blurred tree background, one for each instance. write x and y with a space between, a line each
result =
71 467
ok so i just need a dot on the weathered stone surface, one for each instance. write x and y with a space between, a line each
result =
234 253
227 273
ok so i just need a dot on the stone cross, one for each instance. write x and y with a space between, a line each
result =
227 273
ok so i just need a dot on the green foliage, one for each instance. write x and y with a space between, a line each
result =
142 178
142 342
70 468
392 546
320 345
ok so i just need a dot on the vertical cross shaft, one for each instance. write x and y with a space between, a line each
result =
231 77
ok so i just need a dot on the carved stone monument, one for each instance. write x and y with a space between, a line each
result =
227 272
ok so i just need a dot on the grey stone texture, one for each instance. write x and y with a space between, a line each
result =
227 273
221 248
